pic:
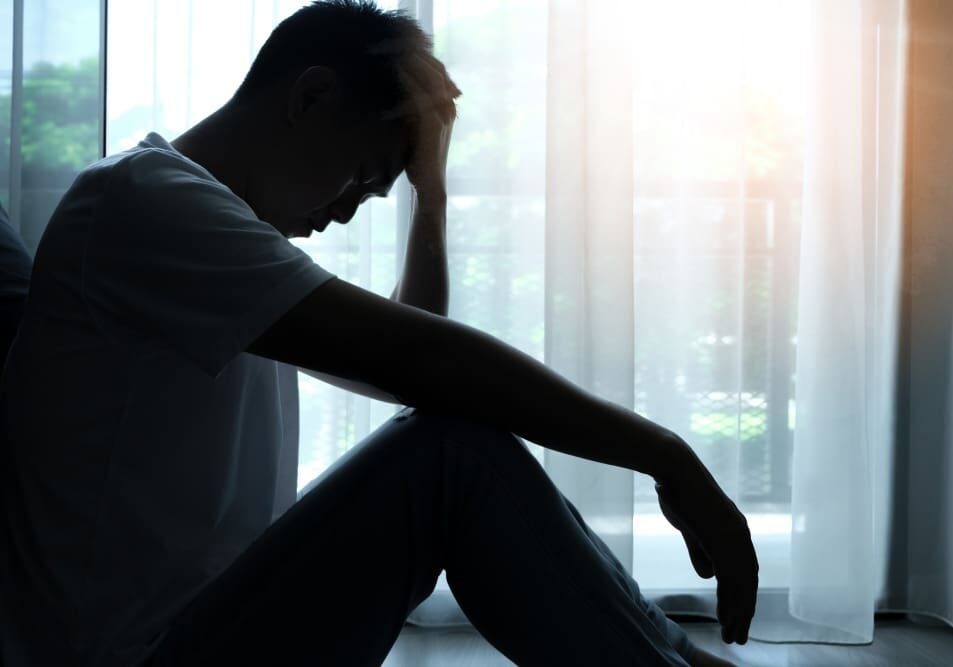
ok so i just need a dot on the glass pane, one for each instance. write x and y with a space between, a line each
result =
60 112
6 86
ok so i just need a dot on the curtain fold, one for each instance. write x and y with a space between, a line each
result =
847 316
831 540
589 284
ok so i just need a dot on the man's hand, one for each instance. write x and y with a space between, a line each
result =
700 560
718 540
424 281
430 105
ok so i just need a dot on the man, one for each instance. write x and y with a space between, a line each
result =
142 405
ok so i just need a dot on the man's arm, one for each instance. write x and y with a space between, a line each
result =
425 281
432 362
435 363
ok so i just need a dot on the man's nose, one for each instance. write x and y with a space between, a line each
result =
343 212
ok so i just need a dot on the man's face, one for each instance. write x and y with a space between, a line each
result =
326 169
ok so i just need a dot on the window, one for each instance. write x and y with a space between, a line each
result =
717 162
50 105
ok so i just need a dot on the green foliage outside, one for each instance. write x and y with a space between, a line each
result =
752 426
60 130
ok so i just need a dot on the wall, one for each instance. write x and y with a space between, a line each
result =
921 571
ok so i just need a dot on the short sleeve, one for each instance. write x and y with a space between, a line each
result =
174 256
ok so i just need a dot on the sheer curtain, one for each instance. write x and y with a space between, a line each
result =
848 315
723 254
690 208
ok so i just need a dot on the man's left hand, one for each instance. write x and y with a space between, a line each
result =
431 94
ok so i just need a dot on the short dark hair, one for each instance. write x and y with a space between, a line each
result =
362 43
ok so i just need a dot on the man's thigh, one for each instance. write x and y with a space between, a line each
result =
332 581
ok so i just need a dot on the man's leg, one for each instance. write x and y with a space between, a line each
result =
332 581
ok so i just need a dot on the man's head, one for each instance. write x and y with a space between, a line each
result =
331 79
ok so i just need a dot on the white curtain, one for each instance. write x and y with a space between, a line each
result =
723 255
691 208
848 315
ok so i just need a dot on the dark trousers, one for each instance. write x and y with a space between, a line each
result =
332 581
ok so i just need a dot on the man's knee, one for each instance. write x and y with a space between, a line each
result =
462 428
485 441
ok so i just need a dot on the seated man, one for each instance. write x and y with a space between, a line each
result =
144 508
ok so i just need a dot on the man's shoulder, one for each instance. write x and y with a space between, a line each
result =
149 182
131 197
147 168
137 174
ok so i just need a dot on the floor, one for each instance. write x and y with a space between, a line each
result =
897 643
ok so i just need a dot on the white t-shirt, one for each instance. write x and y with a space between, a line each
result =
147 449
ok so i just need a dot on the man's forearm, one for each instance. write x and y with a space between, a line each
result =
434 363
425 281
460 370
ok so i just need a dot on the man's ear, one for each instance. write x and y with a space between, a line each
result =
315 89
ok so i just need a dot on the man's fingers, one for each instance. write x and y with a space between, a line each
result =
737 589
414 64
729 615
429 88
721 541
721 610
743 633
736 606
738 567
421 103
428 72
750 606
